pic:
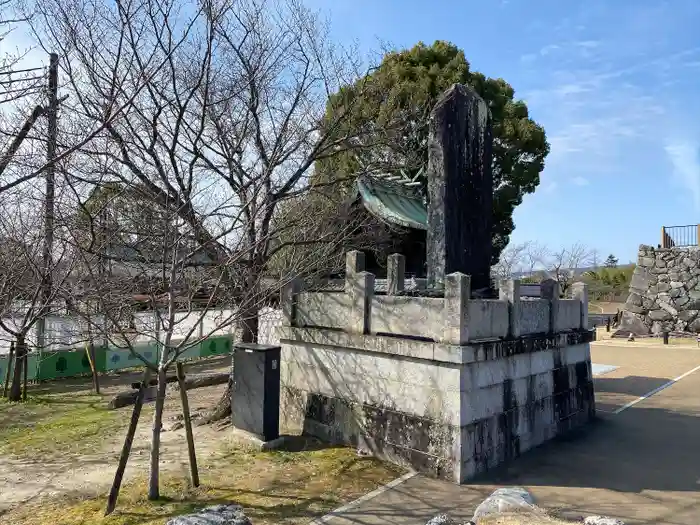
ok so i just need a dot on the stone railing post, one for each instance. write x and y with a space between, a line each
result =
354 264
396 273
580 291
549 289
457 295
509 290
359 286
290 292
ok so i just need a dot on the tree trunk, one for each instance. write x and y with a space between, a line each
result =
20 362
154 473
6 384
222 410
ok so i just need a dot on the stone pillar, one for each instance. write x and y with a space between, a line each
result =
290 291
457 294
359 286
509 290
580 291
396 271
549 289
354 264
460 188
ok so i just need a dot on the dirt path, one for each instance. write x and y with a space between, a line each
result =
25 479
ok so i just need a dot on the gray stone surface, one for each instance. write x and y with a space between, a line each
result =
664 292
460 188
443 519
507 499
602 520
216 515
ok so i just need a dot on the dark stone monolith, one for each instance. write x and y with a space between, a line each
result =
460 189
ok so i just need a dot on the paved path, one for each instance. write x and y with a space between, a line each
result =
641 465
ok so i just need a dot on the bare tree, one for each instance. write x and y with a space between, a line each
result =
23 301
536 255
511 261
564 265
216 118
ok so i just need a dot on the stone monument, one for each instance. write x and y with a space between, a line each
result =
460 189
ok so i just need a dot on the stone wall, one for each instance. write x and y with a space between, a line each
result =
664 292
451 391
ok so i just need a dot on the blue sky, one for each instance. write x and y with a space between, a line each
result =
615 83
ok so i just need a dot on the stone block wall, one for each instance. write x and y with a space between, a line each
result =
474 384
664 292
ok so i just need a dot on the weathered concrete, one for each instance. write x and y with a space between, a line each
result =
440 384
639 466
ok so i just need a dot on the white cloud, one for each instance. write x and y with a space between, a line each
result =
684 155
579 181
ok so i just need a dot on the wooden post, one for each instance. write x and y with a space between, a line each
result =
9 367
663 237
126 448
90 350
188 424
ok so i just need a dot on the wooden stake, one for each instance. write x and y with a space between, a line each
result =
90 350
188 424
126 448
9 367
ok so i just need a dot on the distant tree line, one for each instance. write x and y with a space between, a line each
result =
533 262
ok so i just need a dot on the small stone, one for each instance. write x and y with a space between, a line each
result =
688 315
216 515
663 286
659 315
635 299
676 284
602 520
670 309
442 519
504 500
177 426
646 261
635 309
694 326
681 301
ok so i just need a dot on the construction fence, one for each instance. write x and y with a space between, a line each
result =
71 359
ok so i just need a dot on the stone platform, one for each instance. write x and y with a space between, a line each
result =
450 386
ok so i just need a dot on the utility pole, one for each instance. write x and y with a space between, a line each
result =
52 116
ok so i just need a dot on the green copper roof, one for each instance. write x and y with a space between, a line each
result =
393 203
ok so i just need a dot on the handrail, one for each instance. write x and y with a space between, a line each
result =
680 236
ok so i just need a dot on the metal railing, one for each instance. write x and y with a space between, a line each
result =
679 236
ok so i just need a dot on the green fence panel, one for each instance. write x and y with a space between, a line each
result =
31 370
74 362
193 352
64 363
216 345
3 368
101 359
120 358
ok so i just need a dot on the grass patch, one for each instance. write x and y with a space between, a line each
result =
273 487
55 425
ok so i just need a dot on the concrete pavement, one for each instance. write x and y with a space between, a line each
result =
641 465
